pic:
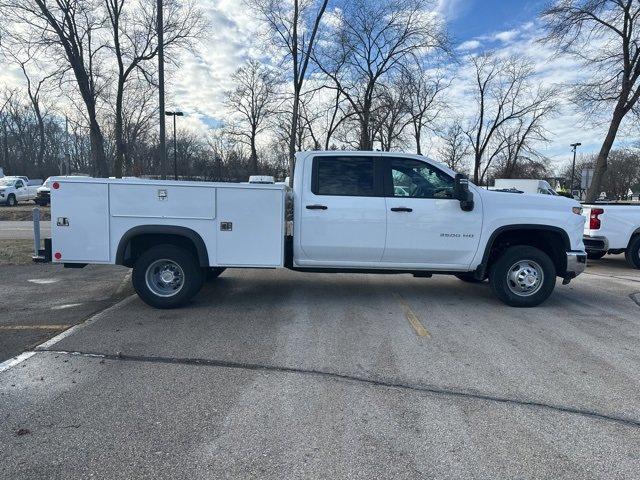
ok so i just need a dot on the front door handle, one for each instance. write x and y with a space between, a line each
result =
316 207
402 209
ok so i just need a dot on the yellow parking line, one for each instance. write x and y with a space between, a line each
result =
34 327
412 318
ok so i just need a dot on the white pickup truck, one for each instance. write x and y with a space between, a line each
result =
16 189
613 228
364 212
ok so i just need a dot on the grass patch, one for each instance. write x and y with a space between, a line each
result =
16 252
23 212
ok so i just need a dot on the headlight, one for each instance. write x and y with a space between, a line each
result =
577 210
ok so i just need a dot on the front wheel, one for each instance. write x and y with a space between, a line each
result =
11 200
523 276
632 253
166 276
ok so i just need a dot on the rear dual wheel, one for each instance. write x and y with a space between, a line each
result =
166 276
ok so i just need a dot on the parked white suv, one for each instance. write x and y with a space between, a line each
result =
361 212
613 228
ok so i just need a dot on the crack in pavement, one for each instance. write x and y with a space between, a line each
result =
613 276
635 297
421 388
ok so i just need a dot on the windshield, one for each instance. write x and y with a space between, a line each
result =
6 182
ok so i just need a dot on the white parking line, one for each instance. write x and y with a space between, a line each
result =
12 362
18 359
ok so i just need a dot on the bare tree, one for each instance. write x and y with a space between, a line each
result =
455 147
605 34
622 174
391 115
134 42
23 56
521 138
424 99
69 30
372 40
293 27
139 112
254 101
504 95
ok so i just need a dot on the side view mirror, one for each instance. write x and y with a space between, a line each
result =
462 192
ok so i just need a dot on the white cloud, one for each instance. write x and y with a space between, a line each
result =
506 36
452 9
469 45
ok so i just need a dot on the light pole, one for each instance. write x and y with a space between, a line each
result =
175 155
573 166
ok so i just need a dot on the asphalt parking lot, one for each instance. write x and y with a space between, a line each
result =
276 374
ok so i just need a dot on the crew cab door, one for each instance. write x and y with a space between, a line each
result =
22 193
426 228
342 213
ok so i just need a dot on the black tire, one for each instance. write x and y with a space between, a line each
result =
632 253
182 262
469 278
595 255
507 262
214 272
11 200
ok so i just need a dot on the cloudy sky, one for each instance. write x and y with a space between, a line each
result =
198 86
508 26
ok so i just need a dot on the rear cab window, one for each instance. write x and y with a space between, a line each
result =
351 176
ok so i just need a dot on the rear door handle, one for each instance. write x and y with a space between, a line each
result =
316 207
402 209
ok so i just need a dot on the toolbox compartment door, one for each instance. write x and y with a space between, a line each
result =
250 227
80 222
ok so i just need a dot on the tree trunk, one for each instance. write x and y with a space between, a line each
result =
476 169
118 165
41 143
418 136
97 148
601 162
253 159
293 134
365 121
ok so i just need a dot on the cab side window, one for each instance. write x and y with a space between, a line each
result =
19 184
344 176
416 179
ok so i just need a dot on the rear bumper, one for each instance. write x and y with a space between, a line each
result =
44 254
595 244
576 264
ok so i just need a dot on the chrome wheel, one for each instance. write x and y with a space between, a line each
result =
165 278
525 278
